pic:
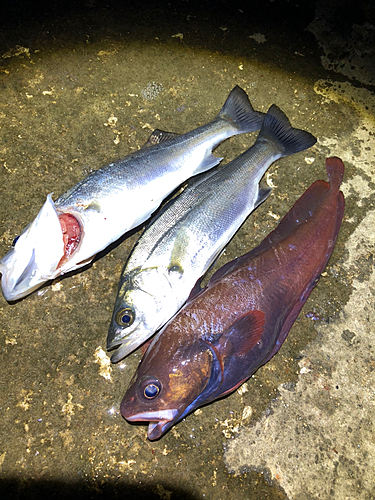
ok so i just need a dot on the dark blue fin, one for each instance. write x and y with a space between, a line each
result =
238 110
240 337
222 271
304 208
277 129
236 350
195 290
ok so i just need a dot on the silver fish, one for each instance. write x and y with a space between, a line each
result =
183 242
68 233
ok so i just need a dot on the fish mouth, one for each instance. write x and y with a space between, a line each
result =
34 255
118 336
14 287
123 349
159 421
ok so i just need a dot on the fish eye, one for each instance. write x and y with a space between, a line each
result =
151 391
125 317
150 388
15 240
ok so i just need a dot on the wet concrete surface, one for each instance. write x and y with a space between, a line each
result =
82 86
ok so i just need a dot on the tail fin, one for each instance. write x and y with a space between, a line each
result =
335 171
238 110
277 129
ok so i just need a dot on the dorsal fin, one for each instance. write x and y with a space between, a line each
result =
303 209
195 290
158 136
307 205
220 272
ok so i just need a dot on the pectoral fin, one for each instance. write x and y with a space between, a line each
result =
244 333
234 349
240 337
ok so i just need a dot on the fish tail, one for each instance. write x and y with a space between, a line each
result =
239 112
277 129
335 171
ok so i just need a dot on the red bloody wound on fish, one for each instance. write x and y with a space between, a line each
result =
71 231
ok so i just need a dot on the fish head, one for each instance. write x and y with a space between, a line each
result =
169 384
145 301
34 256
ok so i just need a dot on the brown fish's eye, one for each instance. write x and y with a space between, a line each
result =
149 387
125 317
151 391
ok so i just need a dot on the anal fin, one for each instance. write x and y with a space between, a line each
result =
263 194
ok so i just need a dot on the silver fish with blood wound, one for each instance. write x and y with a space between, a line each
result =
68 233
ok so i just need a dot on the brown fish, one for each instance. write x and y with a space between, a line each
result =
234 325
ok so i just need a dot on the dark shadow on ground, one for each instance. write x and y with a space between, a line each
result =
14 489
213 25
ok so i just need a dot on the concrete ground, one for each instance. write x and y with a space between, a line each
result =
81 86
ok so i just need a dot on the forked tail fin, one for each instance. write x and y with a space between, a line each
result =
277 130
238 110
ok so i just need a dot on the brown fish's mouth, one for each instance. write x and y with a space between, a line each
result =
157 421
